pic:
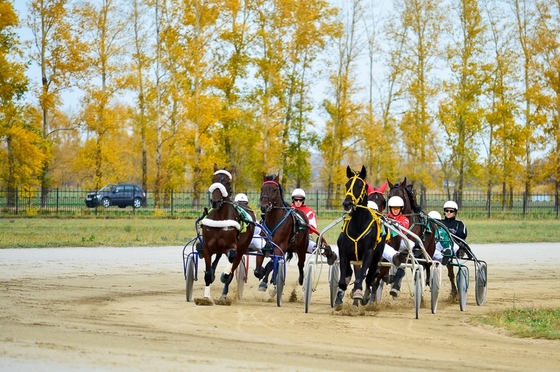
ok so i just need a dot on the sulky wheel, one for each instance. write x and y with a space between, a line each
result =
435 274
481 282
462 285
189 278
334 277
280 280
241 276
417 291
308 287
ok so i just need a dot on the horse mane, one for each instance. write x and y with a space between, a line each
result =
412 197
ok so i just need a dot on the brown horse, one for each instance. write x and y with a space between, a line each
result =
286 227
377 195
225 230
419 225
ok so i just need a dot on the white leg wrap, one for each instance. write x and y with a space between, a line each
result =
207 292
228 270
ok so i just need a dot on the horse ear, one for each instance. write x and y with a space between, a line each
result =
382 188
404 182
349 172
363 172
264 176
215 167
389 183
232 170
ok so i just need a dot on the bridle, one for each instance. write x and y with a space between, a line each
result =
222 182
350 191
271 201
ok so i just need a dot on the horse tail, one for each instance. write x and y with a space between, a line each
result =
290 255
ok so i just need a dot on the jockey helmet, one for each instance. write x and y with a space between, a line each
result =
396 201
450 205
298 193
435 215
241 198
372 205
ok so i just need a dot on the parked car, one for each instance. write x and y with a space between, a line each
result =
121 195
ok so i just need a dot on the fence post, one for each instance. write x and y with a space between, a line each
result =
56 200
17 201
524 204
171 202
317 201
489 202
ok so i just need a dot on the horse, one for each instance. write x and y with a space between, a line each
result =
419 225
377 195
288 229
360 241
226 229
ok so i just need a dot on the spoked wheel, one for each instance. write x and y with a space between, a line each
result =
462 285
378 292
417 291
334 277
308 288
481 282
435 274
280 279
241 277
189 278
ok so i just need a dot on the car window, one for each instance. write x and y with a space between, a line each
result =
107 188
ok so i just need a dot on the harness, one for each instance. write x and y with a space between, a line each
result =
374 217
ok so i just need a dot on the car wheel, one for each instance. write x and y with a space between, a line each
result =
106 202
137 203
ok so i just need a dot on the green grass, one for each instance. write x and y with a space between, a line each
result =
136 232
526 323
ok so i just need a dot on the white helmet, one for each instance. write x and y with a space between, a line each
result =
372 205
298 193
241 198
435 215
450 205
396 201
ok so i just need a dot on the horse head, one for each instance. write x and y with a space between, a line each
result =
271 193
356 189
221 188
377 195
399 189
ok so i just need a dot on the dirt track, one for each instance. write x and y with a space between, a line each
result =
124 309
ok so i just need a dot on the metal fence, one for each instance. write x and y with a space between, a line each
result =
71 202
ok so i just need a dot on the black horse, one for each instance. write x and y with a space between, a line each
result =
360 241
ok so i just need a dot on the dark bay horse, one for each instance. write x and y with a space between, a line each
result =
419 225
377 195
360 241
225 230
288 228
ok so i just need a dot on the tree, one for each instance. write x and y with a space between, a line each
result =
57 53
22 149
342 108
421 24
460 111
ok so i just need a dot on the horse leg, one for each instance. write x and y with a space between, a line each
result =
342 284
259 272
451 276
301 264
267 270
234 259
396 288
209 272
358 294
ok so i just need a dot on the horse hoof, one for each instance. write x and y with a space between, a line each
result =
338 307
262 287
272 291
258 273
358 294
394 292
